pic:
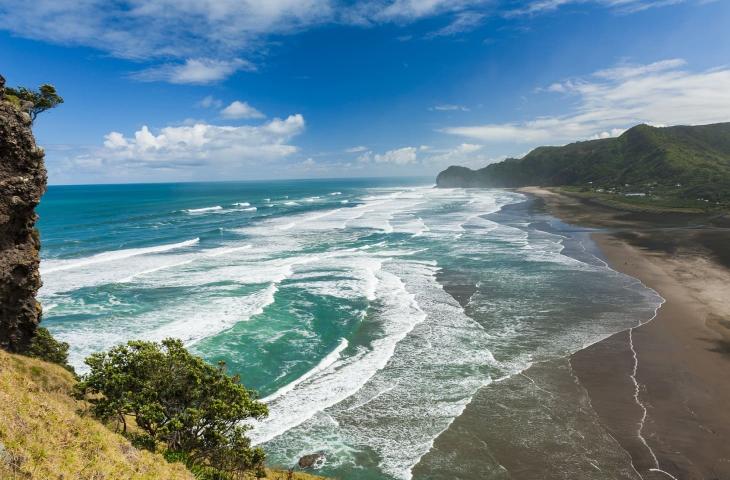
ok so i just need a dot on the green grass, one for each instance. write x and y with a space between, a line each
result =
45 434
45 438
650 204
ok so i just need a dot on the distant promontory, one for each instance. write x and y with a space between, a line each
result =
686 163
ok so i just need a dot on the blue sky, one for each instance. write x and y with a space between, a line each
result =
182 90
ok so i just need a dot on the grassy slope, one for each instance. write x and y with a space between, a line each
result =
43 437
649 159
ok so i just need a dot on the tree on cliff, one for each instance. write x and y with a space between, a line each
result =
195 410
34 101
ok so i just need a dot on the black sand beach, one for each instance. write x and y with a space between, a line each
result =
667 406
650 402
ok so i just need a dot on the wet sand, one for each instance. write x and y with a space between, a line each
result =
662 390
648 403
535 425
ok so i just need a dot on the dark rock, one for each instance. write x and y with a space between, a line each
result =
22 183
314 460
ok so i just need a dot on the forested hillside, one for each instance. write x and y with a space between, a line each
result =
690 162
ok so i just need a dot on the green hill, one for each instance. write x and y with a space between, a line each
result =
686 163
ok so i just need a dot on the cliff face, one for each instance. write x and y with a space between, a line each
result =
22 183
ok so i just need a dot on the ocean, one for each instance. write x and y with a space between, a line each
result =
366 313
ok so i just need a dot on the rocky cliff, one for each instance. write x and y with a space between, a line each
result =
22 183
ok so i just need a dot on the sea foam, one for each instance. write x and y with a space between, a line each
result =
50 266
195 211
328 360
345 376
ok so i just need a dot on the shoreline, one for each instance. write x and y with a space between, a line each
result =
537 422
661 388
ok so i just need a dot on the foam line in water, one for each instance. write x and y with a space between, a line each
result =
342 378
125 271
413 385
50 266
185 320
219 315
242 204
405 404
212 253
217 252
308 218
204 210
328 360
155 269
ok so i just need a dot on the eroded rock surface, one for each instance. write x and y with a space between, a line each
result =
22 183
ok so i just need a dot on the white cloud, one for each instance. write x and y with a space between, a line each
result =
622 6
308 165
204 34
623 72
447 107
425 159
465 154
115 140
358 149
462 22
199 37
209 102
237 110
614 99
371 12
539 6
431 158
196 71
160 28
398 156
199 147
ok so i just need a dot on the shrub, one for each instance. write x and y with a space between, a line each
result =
47 348
195 410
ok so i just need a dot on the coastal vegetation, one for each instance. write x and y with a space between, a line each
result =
47 348
43 436
46 432
32 101
682 167
176 403
144 410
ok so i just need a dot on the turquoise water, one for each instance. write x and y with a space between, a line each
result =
336 300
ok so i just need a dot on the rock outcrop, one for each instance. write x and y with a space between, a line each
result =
22 183
314 460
